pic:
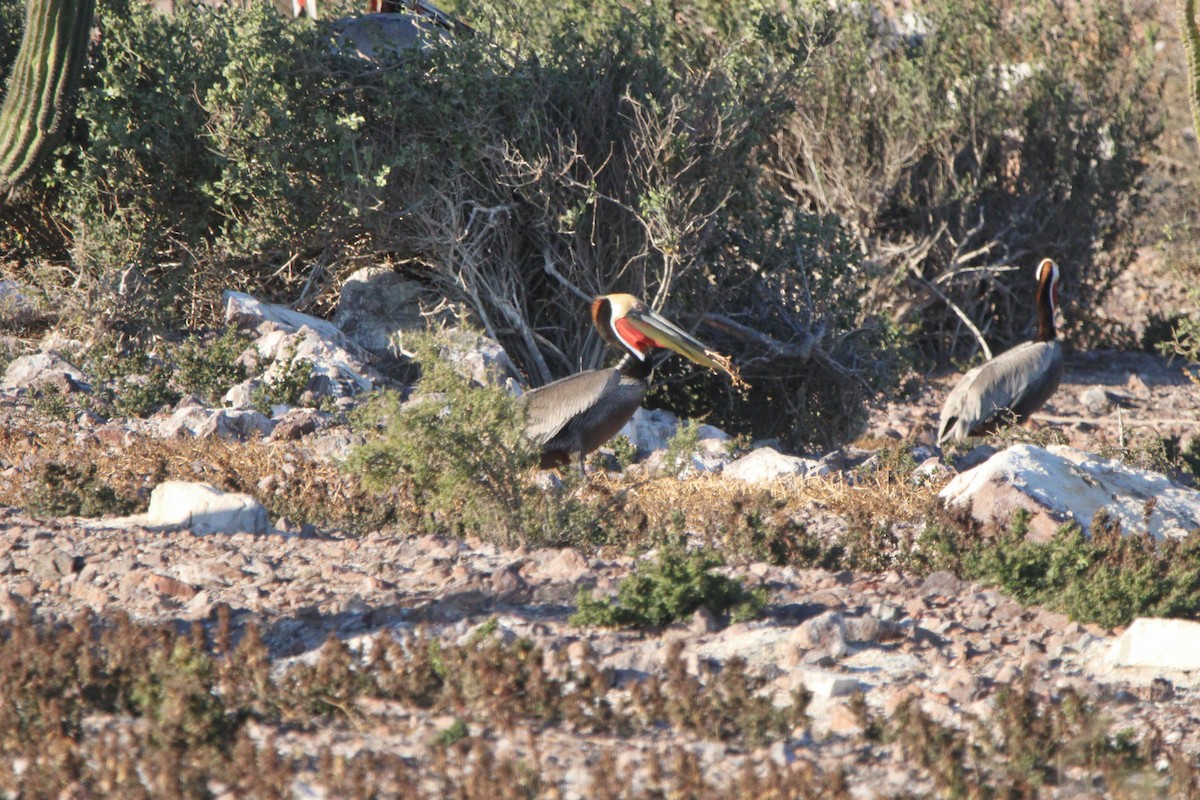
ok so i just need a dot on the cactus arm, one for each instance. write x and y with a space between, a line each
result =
1191 46
43 78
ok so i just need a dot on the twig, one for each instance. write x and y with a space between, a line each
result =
801 351
962 315
552 271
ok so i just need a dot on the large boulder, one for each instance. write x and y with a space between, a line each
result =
476 357
204 509
247 311
1159 644
376 307
40 370
1059 484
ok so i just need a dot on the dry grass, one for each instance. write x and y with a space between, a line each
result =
282 475
709 502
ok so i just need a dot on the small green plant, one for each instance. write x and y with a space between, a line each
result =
210 368
143 395
289 386
456 732
461 452
67 490
674 585
680 449
624 450
132 382
51 403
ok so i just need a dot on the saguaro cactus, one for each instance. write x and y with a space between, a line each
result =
1191 45
43 77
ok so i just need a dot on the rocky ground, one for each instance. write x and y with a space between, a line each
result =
866 646
949 646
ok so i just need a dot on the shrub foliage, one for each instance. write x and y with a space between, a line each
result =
806 188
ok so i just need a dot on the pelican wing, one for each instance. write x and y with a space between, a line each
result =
1016 382
551 407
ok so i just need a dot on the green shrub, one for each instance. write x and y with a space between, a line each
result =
288 386
461 453
210 368
62 490
681 448
1108 578
674 585
130 381
994 135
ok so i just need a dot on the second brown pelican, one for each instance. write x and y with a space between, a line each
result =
573 416
1015 383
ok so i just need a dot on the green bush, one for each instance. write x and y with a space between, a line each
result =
989 136
460 452
210 367
1108 578
674 585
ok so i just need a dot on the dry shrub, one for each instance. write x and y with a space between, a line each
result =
300 486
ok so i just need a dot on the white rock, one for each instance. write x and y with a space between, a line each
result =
344 372
377 306
247 311
1058 484
476 357
204 508
825 684
1159 643
650 429
38 368
202 423
378 37
768 464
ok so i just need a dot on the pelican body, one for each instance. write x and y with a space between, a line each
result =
1015 383
573 416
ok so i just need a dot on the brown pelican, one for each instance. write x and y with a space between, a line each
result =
1015 383
575 415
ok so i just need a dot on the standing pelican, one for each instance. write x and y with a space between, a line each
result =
575 415
1015 383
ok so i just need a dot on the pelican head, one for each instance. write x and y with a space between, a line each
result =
626 322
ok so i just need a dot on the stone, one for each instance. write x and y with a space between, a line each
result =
767 464
1158 643
380 37
703 621
931 470
296 423
843 721
204 509
650 429
943 584
825 684
249 312
1095 400
338 366
507 581
476 357
1058 484
563 564
822 636
42 369
237 425
376 307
